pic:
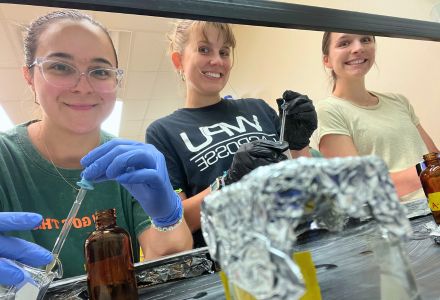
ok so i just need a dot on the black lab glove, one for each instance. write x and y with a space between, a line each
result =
253 155
301 119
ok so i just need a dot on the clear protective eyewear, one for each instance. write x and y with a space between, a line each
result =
64 75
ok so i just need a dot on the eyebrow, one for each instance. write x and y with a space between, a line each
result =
227 46
204 41
70 57
348 35
343 36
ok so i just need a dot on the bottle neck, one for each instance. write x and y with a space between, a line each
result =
105 219
431 159
431 163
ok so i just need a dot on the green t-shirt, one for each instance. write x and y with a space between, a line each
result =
30 183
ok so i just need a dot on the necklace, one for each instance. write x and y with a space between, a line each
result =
53 164
56 169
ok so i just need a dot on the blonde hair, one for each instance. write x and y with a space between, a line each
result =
179 36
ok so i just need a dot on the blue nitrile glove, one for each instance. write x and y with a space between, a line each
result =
141 169
17 249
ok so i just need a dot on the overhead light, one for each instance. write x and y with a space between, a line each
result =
113 122
5 122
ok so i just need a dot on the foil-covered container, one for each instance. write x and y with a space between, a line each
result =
251 226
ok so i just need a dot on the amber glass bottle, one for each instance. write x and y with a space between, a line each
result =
109 260
430 179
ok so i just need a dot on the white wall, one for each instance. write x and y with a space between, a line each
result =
271 60
412 9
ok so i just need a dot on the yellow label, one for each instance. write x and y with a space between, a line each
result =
233 292
141 255
308 271
434 201
225 282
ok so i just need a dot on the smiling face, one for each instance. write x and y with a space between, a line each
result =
350 56
79 109
206 63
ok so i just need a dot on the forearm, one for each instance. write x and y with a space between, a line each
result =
303 152
157 243
427 139
334 145
406 181
191 209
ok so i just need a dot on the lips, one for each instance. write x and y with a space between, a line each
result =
214 75
80 106
357 61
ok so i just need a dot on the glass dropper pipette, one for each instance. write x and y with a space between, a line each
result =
84 187
283 107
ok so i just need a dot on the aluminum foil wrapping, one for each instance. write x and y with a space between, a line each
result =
434 231
187 268
247 225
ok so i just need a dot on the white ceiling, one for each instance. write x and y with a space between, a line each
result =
150 89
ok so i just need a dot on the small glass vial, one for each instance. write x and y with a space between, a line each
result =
109 260
430 179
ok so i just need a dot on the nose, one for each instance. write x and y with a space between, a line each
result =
83 84
357 46
216 59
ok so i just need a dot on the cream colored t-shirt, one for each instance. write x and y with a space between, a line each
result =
387 130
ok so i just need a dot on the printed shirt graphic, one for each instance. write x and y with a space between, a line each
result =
199 143
30 183
232 137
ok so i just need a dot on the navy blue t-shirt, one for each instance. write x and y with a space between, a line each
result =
199 143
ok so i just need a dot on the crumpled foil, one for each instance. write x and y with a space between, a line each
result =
176 267
434 231
417 208
246 223
186 268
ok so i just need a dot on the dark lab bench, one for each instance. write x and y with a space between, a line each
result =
345 266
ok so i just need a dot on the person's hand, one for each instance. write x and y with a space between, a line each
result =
253 155
141 169
301 119
12 248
